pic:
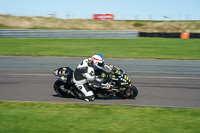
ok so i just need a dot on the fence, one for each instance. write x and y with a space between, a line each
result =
67 34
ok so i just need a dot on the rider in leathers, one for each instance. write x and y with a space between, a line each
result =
85 72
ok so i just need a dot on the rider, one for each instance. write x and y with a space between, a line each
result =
85 72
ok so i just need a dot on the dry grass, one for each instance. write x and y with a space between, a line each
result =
23 22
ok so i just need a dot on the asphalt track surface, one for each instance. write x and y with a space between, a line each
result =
161 83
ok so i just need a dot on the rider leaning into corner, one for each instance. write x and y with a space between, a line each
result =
85 72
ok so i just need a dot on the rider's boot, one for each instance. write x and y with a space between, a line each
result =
88 94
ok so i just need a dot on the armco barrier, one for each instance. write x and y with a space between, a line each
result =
167 35
8 33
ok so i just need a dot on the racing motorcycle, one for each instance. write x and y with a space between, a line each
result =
119 84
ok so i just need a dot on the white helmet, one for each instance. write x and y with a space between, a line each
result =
98 60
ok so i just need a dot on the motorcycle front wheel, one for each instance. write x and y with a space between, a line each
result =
131 92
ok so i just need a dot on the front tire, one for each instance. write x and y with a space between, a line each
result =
133 91
59 88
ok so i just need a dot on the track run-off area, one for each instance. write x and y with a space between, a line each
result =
161 83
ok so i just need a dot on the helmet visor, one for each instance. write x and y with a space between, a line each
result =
100 64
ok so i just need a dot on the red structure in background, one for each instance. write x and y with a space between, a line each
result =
104 16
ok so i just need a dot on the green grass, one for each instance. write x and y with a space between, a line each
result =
158 48
29 117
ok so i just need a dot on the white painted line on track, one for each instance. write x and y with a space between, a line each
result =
150 77
159 77
29 74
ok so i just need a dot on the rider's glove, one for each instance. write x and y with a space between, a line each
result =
109 67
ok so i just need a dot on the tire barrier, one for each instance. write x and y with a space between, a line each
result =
9 33
194 35
169 35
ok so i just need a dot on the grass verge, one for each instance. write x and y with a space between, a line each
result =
158 48
26 117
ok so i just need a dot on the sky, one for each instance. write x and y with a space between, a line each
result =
122 9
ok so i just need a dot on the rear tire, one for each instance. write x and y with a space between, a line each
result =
59 88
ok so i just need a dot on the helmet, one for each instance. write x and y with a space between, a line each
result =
98 60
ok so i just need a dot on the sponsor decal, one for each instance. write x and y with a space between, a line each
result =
63 72
124 83
116 71
114 79
103 75
122 79
56 73
62 77
122 88
96 86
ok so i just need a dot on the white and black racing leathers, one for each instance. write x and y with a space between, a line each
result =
82 75
85 73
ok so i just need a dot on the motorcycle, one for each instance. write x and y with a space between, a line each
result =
119 84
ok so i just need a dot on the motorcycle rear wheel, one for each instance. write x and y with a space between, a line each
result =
59 88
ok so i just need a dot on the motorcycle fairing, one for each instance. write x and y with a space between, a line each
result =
63 74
